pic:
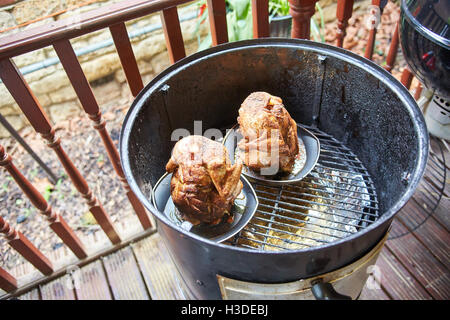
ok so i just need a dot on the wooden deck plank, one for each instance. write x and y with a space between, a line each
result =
30 295
419 261
426 229
398 282
93 283
441 212
435 238
373 294
59 289
157 268
124 276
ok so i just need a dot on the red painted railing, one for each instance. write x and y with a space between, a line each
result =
113 17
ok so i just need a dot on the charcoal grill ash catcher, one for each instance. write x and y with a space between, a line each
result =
316 238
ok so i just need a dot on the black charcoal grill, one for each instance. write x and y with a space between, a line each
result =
374 147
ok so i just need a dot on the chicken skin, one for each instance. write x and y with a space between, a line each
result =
267 127
204 184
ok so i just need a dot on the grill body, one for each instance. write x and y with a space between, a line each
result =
348 97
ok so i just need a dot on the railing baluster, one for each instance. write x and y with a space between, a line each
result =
7 281
57 223
372 34
218 21
418 92
172 33
406 78
373 31
301 12
84 92
260 16
344 12
29 105
127 58
22 245
393 48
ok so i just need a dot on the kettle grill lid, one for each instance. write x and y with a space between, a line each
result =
431 18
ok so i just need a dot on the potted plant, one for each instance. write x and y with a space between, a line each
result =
239 21
280 21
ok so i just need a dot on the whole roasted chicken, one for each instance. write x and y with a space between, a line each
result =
269 133
204 184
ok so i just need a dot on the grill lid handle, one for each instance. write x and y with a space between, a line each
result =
325 291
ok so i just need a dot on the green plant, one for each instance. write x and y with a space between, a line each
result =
239 20
47 192
278 8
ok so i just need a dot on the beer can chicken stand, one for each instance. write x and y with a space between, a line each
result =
269 134
204 184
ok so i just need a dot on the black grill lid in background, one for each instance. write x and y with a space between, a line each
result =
425 41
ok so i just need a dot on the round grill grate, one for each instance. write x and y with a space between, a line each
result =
335 200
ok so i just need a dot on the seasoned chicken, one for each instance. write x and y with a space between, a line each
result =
204 184
267 127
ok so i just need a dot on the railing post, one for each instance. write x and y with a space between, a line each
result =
260 16
31 108
7 281
301 12
393 48
373 31
22 245
406 78
57 223
127 59
344 12
84 92
217 14
172 33
418 91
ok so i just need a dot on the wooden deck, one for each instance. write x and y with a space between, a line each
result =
414 266
414 263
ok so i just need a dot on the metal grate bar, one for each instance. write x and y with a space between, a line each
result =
297 227
278 231
310 213
335 169
324 191
327 198
339 188
337 158
306 215
314 203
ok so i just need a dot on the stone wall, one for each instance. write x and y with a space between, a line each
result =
51 85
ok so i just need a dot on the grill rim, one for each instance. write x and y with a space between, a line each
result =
307 45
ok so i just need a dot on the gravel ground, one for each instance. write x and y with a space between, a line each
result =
85 148
83 145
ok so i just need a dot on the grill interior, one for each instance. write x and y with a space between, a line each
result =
335 200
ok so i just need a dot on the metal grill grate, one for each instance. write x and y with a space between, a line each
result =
336 199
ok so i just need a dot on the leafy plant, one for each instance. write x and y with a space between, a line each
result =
47 192
278 8
239 20
317 31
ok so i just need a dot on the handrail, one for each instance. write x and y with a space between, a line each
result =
68 28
